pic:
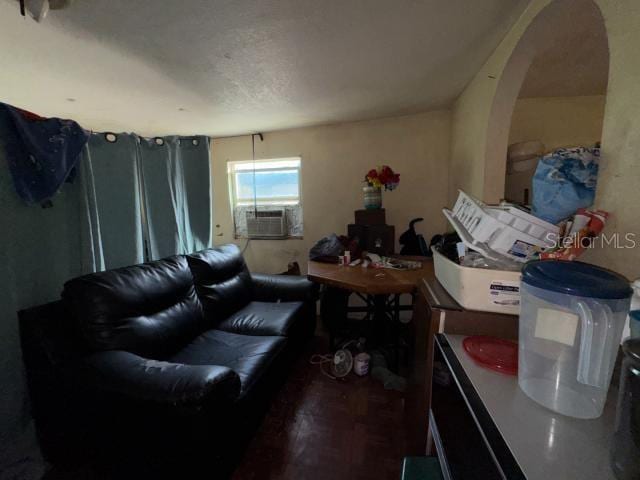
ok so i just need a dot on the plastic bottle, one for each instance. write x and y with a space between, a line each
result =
625 447
361 360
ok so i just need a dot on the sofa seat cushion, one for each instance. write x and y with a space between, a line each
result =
266 318
248 356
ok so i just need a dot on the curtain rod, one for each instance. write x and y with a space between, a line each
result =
253 159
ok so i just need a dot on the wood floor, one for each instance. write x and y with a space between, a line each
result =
316 429
319 428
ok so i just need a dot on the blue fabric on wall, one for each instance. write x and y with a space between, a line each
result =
39 250
42 153
110 181
177 194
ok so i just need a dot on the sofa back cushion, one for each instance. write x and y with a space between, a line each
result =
151 309
222 279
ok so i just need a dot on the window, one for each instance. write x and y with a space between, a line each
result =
265 182
266 185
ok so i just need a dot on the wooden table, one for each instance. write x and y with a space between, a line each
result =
371 281
379 288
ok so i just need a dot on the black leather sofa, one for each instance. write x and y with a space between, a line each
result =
165 359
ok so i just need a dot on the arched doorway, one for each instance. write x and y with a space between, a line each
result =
556 43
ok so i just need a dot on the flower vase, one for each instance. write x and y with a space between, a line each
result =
372 197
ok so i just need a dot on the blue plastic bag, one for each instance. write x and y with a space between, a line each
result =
565 180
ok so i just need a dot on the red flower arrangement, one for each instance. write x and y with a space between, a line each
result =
382 176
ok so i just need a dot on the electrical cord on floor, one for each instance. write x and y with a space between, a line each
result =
322 360
245 246
318 359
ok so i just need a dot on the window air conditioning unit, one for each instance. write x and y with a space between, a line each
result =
266 224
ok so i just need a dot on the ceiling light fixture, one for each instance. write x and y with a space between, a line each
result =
38 9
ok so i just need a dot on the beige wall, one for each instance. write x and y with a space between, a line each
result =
470 118
335 159
618 190
556 122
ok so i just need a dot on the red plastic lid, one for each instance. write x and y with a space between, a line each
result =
493 353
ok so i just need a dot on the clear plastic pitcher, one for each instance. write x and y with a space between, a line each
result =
572 315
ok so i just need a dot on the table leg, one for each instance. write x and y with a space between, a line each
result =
379 318
387 327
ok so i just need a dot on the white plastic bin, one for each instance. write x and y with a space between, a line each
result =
480 289
507 230
571 319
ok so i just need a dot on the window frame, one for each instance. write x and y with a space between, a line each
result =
232 180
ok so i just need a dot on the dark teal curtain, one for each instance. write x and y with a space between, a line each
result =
176 182
112 202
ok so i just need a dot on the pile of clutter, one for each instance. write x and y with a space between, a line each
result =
353 357
346 252
559 225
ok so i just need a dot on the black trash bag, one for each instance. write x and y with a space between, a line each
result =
327 249
446 245
413 243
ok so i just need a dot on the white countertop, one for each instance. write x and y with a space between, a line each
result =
546 445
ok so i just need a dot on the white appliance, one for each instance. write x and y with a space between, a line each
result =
266 224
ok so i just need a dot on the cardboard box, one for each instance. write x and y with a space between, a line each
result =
378 239
371 217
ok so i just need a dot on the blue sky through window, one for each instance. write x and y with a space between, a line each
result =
269 185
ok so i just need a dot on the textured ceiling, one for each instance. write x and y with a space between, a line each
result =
578 61
224 67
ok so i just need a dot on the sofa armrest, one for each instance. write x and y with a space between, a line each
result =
140 379
285 288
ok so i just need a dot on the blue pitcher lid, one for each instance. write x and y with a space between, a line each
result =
576 278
